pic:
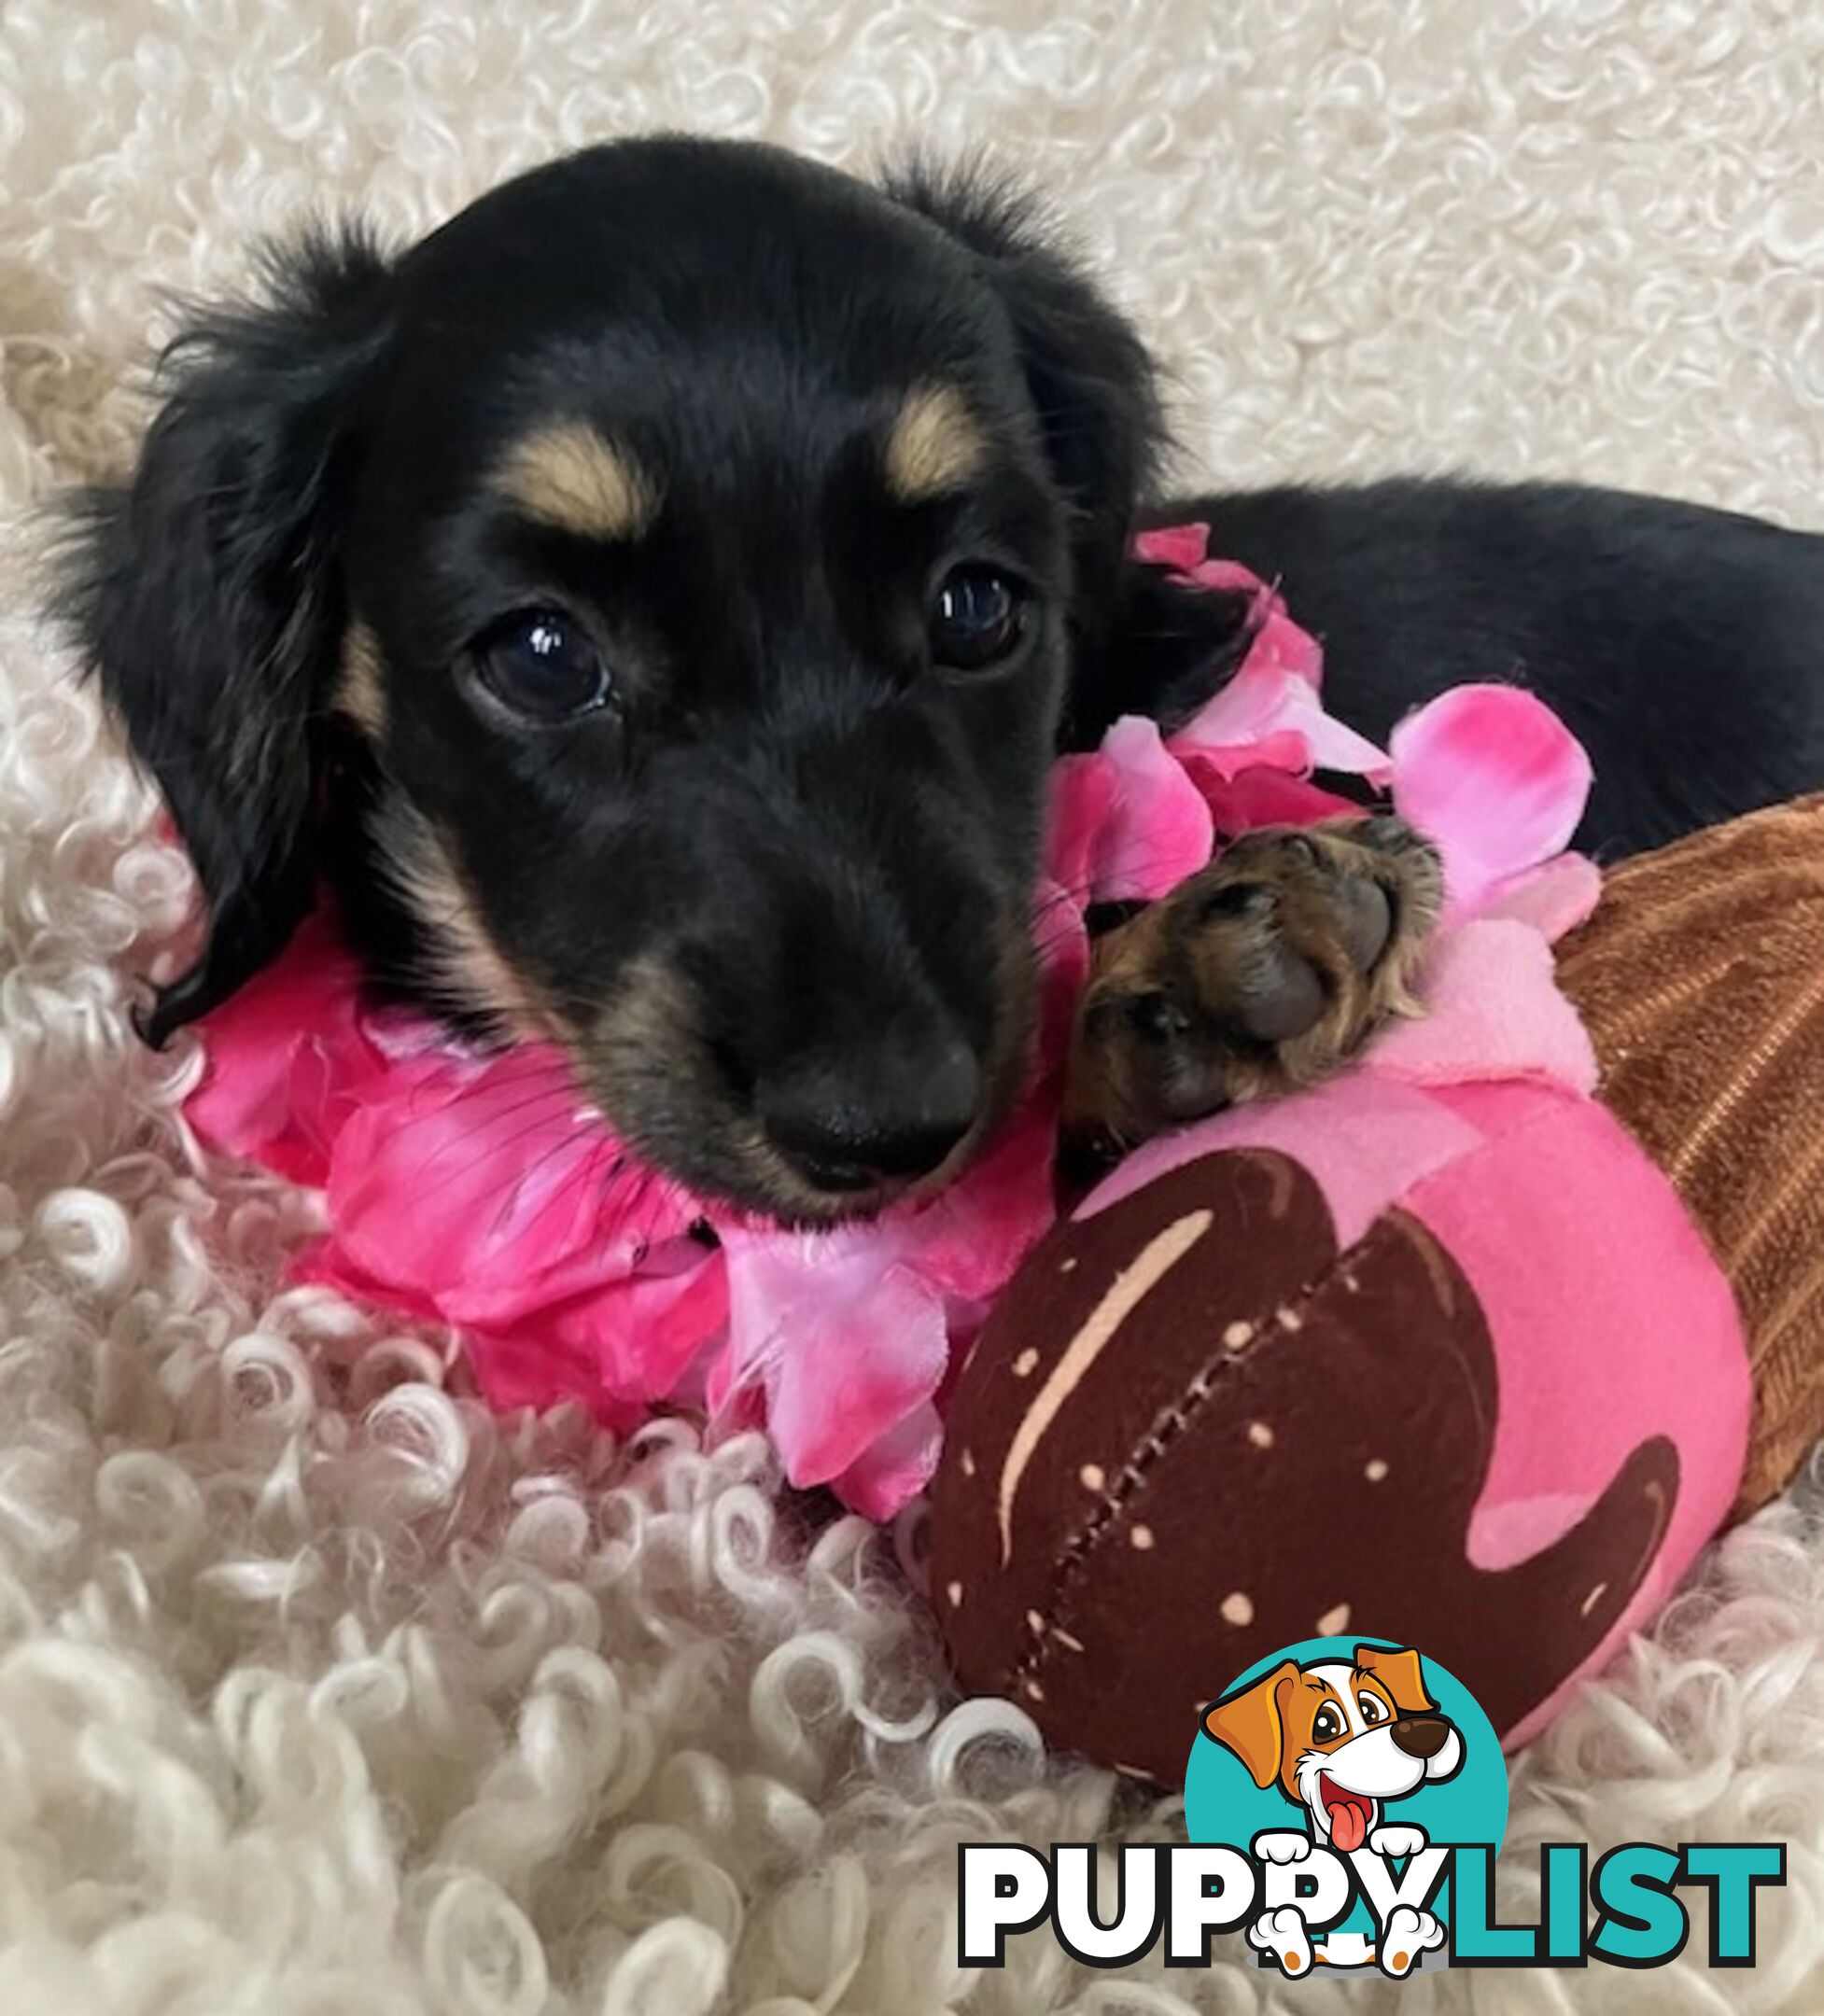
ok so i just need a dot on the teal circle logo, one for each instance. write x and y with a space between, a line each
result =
1354 1744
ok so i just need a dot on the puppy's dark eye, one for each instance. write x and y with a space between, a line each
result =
1326 1724
977 617
1372 1712
541 666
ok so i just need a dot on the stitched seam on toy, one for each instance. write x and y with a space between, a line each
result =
1168 1425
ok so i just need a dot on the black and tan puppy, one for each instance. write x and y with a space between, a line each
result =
653 601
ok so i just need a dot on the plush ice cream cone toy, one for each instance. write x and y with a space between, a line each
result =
1701 981
1470 1349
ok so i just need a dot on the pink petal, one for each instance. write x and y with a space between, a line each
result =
889 1475
1248 709
1173 546
641 1335
1264 703
616 1349
329 1265
845 1342
1495 779
1283 749
968 1239
1262 797
1554 898
492 1188
539 1366
1082 798
849 1333
1280 645
1229 576
734 1395
1157 831
1063 949
282 1055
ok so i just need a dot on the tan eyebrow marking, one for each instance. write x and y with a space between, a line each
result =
936 443
565 474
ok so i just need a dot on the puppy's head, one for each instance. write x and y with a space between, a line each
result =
1340 1739
651 600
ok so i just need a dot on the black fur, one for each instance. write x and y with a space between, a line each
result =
1684 646
209 598
786 872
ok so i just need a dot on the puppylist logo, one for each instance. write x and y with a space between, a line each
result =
1342 1763
1345 1802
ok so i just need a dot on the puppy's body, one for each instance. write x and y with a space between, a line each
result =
1683 646
652 603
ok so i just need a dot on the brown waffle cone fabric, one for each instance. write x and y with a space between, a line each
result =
1700 977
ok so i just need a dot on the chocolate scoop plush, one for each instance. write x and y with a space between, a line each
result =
1454 1349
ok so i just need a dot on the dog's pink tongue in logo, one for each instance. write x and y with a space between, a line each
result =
1348 1817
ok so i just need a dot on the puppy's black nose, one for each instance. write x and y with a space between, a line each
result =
895 1117
1420 1735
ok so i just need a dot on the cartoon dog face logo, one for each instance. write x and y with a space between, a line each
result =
1340 1739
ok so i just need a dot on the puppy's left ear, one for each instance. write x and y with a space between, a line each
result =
1252 1723
1403 1674
1145 643
205 592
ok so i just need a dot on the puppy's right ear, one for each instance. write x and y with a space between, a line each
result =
1168 646
1249 1722
205 594
1091 380
1144 641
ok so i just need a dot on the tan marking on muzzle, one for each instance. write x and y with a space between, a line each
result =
647 1031
465 960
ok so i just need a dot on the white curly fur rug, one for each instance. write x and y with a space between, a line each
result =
319 1690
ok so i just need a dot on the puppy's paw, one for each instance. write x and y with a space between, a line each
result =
1397 1840
1282 1933
1282 1847
1407 1935
1265 972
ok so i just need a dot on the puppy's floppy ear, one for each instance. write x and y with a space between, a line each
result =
205 590
1145 643
1403 1674
1165 647
1249 1723
1090 377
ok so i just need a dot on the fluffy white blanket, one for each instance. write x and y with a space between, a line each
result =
322 1692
